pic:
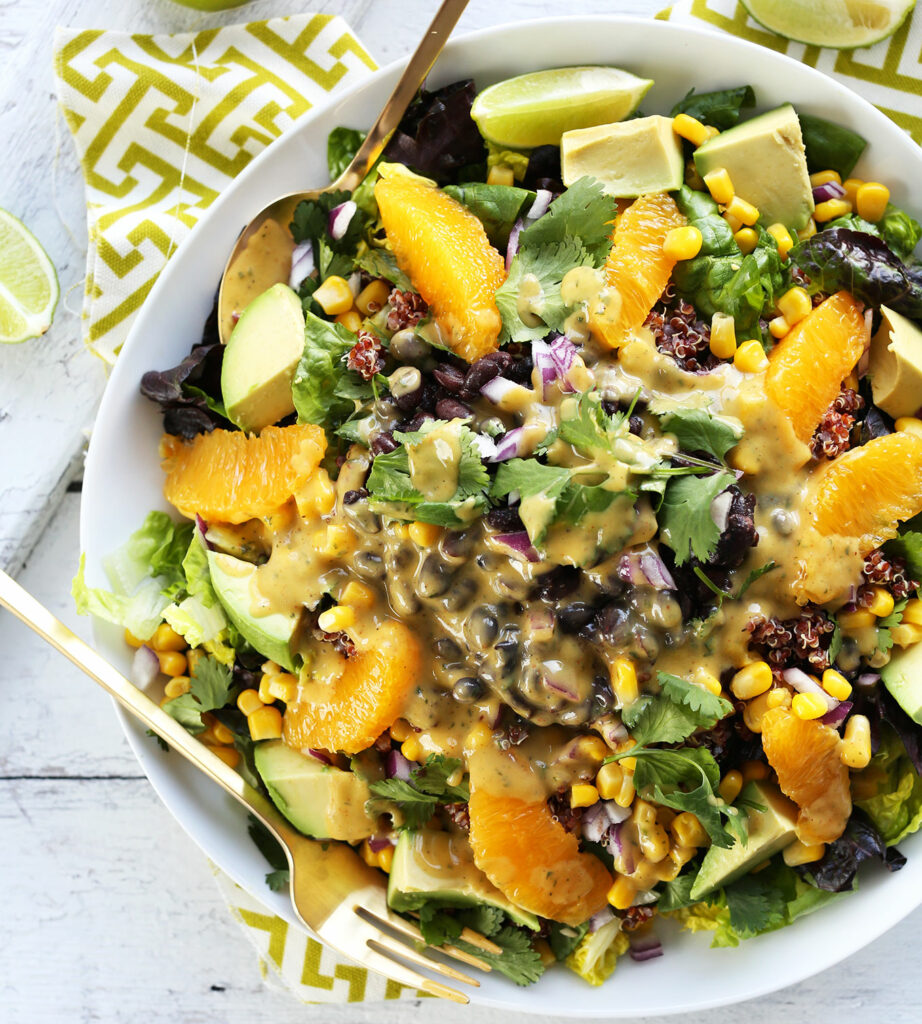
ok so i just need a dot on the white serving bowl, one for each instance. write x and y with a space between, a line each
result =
123 477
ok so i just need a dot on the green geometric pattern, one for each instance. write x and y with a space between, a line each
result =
163 123
888 74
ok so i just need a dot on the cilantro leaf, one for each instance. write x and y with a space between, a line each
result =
658 720
540 488
427 787
755 904
564 938
886 624
755 574
310 222
383 263
209 689
908 545
437 926
697 430
677 893
342 145
483 918
708 706
519 960
583 211
685 515
278 881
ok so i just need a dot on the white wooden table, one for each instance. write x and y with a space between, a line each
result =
110 913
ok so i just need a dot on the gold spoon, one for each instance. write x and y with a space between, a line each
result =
261 256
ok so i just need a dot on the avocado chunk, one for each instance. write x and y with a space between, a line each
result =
261 357
770 830
270 634
896 365
318 799
902 675
438 867
629 158
767 164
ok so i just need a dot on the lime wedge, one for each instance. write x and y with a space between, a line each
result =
537 108
28 283
838 24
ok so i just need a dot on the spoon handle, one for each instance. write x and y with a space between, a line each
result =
419 66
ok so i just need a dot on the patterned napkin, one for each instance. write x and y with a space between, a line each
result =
162 124
888 74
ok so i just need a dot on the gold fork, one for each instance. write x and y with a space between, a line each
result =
334 893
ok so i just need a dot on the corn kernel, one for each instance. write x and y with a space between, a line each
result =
624 681
501 174
912 613
909 425
807 231
850 622
746 239
710 131
221 733
755 709
829 210
733 222
688 830
745 212
351 320
782 239
906 634
836 685
653 842
593 748
851 186
778 698
248 701
318 495
412 749
794 305
132 640
479 736
690 128
283 686
778 327
172 663
682 243
708 680
166 638
621 894
809 705
334 296
386 859
720 186
335 541
336 619
608 780
373 297
357 595
750 357
583 794
270 667
368 855
229 755
265 724
754 771
798 853
723 336
855 748
265 681
871 200
751 680
543 949
730 786
177 686
881 602
824 177
424 535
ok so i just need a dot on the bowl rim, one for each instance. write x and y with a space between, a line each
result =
108 640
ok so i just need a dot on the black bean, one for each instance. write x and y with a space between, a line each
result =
556 584
505 519
543 169
446 649
460 595
575 616
383 443
450 377
635 425
369 564
509 651
467 689
451 408
434 577
612 623
408 426
603 699
456 543
482 628
520 371
408 401
609 407
480 372
431 393
351 497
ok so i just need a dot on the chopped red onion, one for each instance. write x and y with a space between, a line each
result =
509 445
512 246
611 729
647 948
645 568
340 219
498 388
563 352
868 678
828 190
543 197
600 919
378 843
540 617
720 510
321 755
396 766
302 264
145 667
804 684
486 446
560 685
838 714
598 819
355 282
544 363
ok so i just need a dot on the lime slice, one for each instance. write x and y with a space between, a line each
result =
838 24
536 109
28 283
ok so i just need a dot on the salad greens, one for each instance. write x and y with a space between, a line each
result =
830 146
721 108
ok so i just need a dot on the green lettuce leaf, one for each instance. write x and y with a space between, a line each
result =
322 375
596 956
900 231
896 809
830 147
497 207
720 108
342 145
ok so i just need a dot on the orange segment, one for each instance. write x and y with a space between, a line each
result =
229 477
807 367
534 861
368 696
805 756
445 251
637 270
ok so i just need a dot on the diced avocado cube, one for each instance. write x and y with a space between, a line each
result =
261 357
629 158
767 165
895 365
902 675
270 634
438 867
769 831
318 799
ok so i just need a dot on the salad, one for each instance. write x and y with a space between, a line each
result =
551 533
